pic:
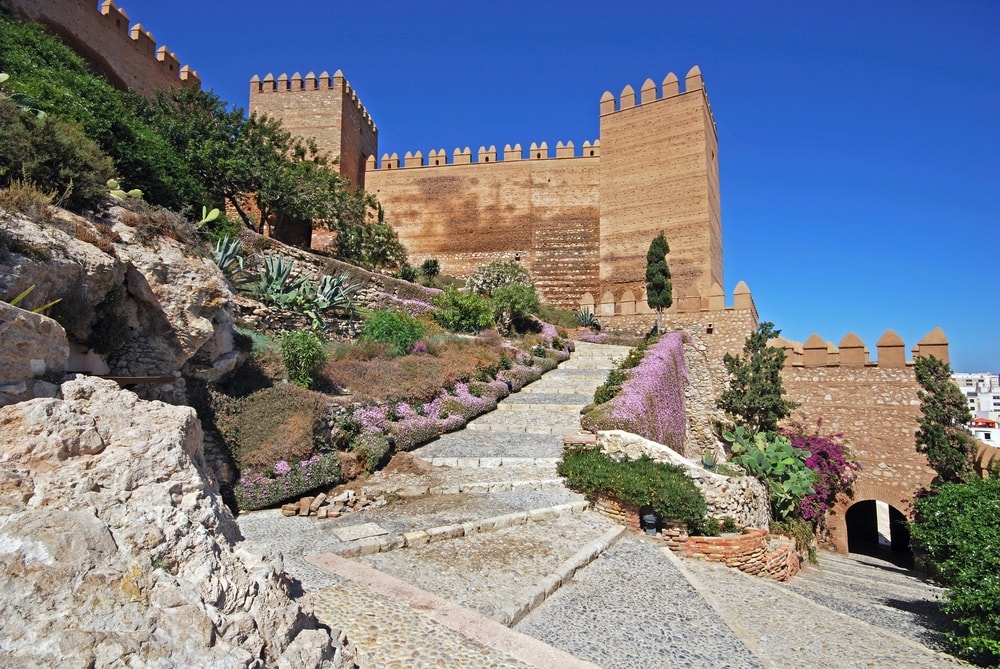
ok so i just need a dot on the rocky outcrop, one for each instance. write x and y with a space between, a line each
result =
33 355
134 300
743 498
118 550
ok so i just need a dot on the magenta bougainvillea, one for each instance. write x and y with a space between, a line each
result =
831 460
651 401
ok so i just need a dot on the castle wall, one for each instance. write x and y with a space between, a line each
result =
322 108
659 171
128 57
874 405
540 211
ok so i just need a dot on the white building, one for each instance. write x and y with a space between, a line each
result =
982 391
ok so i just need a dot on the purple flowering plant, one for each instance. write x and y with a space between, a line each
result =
256 490
651 401
835 469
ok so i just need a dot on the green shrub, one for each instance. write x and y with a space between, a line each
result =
303 354
611 386
53 155
461 311
957 531
779 465
664 487
395 328
513 302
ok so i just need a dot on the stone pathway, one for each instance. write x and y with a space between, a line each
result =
482 558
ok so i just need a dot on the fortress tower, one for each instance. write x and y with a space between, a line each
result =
581 222
327 110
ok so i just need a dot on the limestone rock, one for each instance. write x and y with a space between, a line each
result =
148 305
117 553
34 348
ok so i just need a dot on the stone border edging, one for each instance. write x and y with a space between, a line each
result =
488 463
384 544
533 596
457 618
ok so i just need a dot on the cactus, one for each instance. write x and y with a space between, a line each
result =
207 216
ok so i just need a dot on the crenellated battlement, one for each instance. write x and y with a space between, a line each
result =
463 156
632 301
852 352
670 88
322 85
126 53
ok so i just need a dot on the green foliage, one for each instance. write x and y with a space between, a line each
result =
462 311
779 465
586 319
957 530
54 156
408 272
430 269
513 302
729 525
398 329
611 386
303 354
710 527
641 482
276 285
944 413
755 396
372 448
336 292
61 84
363 236
226 253
659 289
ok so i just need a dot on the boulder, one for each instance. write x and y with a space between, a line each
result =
118 551
147 304
34 354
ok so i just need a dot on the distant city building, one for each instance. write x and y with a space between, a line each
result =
982 391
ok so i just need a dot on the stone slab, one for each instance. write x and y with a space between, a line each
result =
362 531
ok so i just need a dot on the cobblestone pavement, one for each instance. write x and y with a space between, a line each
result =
491 537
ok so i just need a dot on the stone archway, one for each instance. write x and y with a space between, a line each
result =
883 498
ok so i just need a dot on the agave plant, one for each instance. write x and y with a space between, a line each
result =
585 317
276 284
336 292
226 254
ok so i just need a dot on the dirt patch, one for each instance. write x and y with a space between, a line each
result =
404 463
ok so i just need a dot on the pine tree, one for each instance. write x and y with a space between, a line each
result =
942 436
755 397
659 290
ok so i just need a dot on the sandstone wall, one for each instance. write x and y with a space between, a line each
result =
874 404
542 212
322 108
659 171
128 56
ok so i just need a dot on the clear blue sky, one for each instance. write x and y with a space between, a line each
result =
859 148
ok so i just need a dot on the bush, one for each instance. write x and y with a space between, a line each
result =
372 448
641 482
303 354
461 311
513 302
833 466
54 156
284 422
778 464
957 530
286 480
395 328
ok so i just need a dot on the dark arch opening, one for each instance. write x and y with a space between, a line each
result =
863 534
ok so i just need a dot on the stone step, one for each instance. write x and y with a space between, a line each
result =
831 563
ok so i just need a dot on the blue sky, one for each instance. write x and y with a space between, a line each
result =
859 147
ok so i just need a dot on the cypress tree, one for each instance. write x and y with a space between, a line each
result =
659 290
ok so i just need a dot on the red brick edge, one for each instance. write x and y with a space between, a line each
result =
755 551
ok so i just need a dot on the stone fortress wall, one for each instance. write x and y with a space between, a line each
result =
128 56
581 222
